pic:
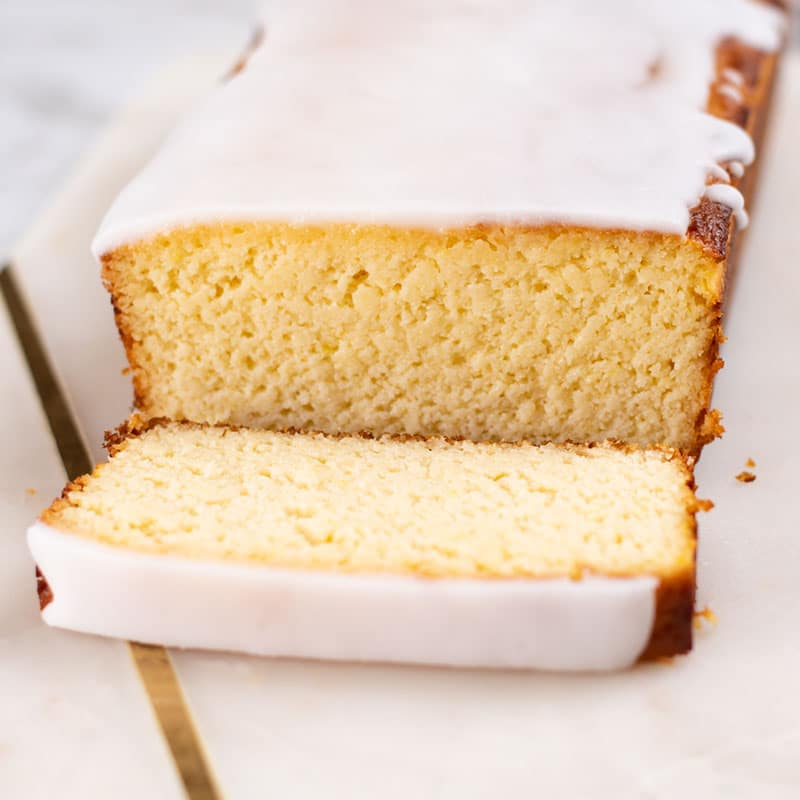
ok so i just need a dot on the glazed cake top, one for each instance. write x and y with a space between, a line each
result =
458 112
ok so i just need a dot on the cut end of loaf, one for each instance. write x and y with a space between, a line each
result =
492 333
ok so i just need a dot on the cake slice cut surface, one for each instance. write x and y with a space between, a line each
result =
410 550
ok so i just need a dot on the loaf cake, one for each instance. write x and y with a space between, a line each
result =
394 549
448 219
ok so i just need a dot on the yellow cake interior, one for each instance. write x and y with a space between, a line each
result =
489 333
388 506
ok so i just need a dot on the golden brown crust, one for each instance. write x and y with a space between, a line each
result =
713 224
50 515
43 590
748 184
672 632
672 627
138 424
108 277
710 224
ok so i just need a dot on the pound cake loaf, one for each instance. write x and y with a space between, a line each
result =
448 219
392 549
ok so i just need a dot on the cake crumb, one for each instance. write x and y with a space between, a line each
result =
750 463
30 491
704 504
745 477
125 371
704 615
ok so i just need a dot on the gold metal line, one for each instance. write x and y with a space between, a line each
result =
69 441
152 662
164 690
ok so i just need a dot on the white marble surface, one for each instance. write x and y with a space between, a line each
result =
723 723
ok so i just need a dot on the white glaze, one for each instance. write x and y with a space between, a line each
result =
733 92
733 76
728 196
718 172
592 624
449 113
736 168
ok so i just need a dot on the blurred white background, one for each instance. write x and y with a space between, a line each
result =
67 65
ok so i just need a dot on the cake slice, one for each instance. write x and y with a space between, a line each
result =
392 549
446 219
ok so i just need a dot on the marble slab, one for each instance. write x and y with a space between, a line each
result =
721 723
74 719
